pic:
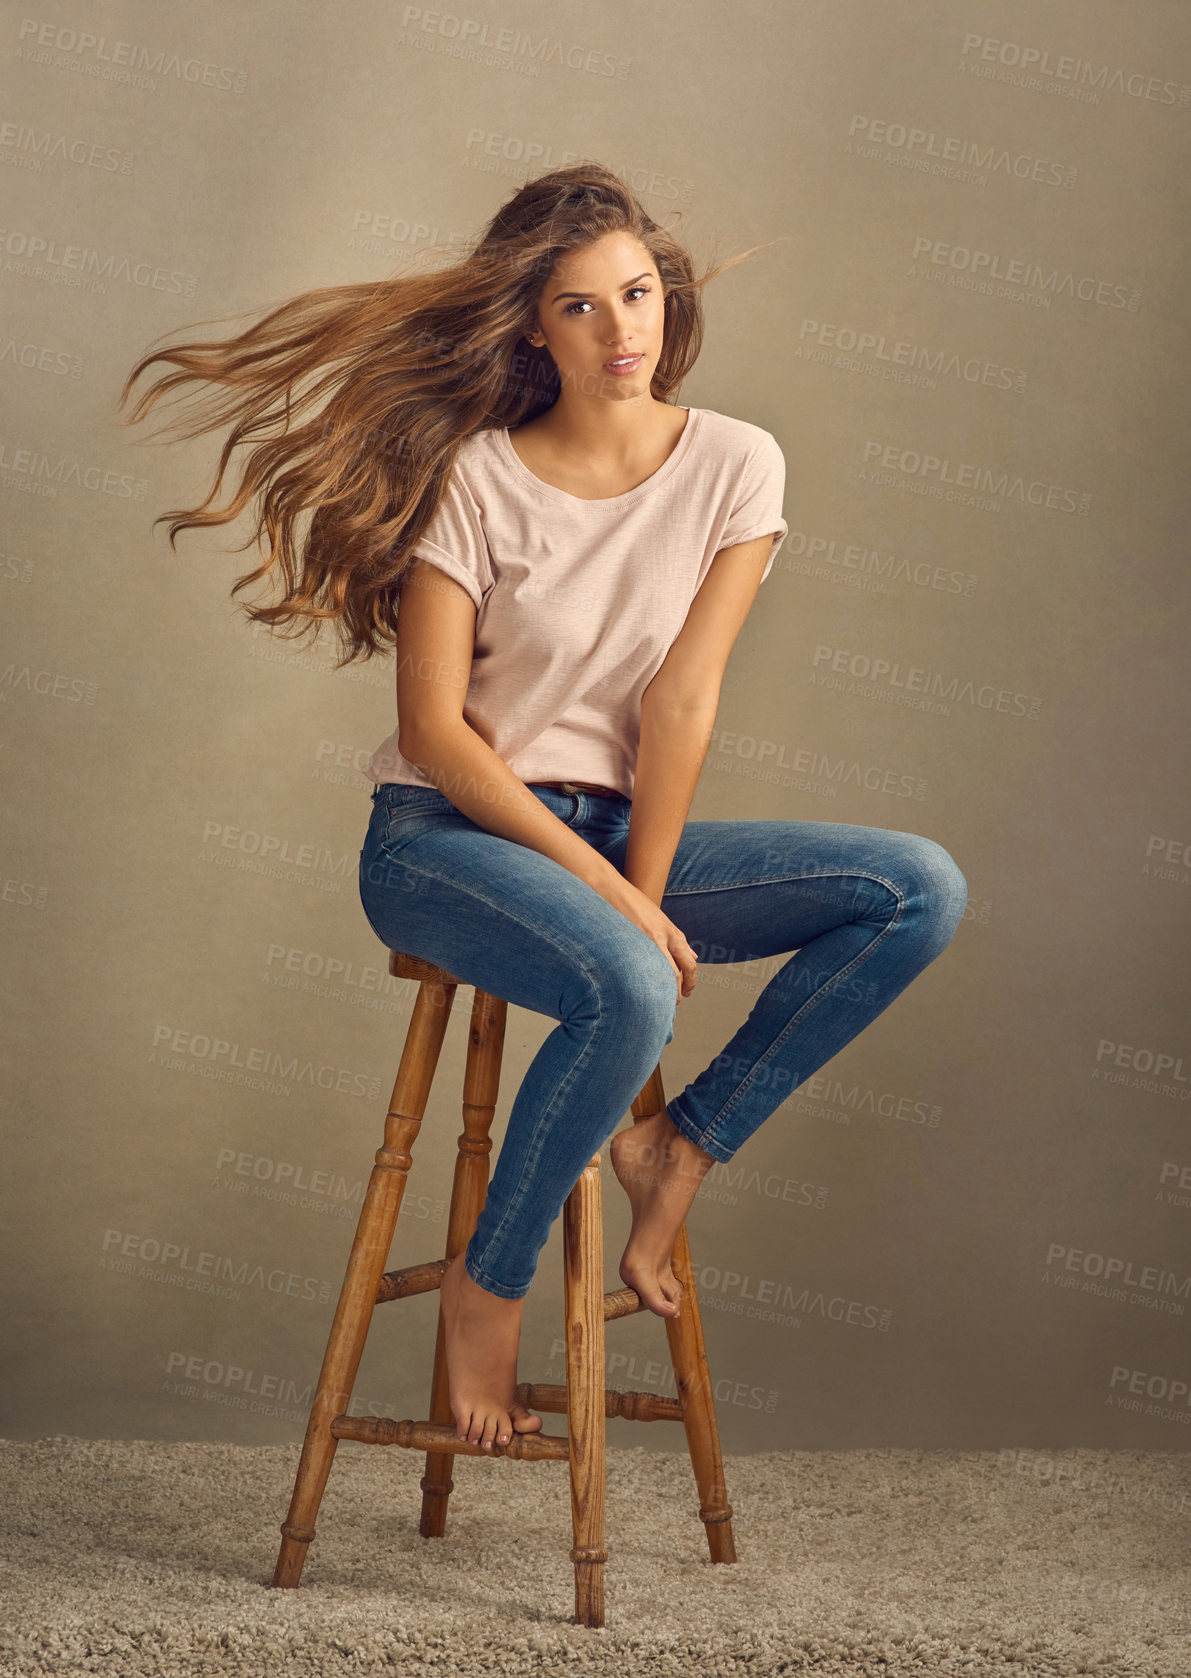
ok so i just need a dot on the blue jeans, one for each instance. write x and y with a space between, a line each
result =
864 908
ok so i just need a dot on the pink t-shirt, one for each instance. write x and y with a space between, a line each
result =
578 602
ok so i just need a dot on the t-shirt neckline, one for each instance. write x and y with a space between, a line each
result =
596 503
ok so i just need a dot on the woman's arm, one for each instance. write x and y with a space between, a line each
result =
669 757
678 712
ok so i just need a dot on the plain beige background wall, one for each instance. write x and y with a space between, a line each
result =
971 1228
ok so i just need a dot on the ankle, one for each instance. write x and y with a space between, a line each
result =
666 1151
654 1124
472 1294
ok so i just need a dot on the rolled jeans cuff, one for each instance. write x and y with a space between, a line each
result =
489 1283
686 1126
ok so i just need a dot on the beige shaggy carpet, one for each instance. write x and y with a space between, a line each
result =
133 1557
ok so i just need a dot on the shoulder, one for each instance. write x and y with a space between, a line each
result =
480 469
477 444
738 438
474 473
476 452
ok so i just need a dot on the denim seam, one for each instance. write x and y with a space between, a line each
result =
533 1150
777 880
500 909
862 955
363 906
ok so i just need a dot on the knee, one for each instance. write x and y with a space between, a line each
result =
638 994
939 887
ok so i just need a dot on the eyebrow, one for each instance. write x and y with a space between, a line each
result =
645 276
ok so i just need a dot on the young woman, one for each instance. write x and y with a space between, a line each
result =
574 556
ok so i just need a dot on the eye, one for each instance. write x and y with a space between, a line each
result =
571 307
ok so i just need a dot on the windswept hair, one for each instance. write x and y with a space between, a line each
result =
357 398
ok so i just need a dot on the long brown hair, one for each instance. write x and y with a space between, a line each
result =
399 373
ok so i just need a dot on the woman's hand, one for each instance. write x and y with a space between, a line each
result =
645 913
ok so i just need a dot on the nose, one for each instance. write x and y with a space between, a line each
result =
619 336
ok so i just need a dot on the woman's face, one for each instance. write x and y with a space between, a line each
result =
619 314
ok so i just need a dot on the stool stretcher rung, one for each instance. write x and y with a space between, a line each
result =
441 1436
423 1278
414 1278
632 1406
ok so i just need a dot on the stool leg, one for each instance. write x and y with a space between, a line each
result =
688 1355
370 1249
583 1275
481 1080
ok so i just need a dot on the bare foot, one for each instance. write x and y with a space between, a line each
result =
482 1332
660 1171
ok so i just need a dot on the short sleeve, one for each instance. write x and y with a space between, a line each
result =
757 508
454 540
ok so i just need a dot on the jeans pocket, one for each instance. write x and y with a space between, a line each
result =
409 809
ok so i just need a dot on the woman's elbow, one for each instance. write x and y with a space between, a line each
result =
428 740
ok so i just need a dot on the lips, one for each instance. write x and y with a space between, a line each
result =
626 364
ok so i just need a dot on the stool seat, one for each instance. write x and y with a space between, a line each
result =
584 1399
413 967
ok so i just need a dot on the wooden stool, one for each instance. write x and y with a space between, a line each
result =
584 1398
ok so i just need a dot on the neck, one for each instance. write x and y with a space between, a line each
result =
617 432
